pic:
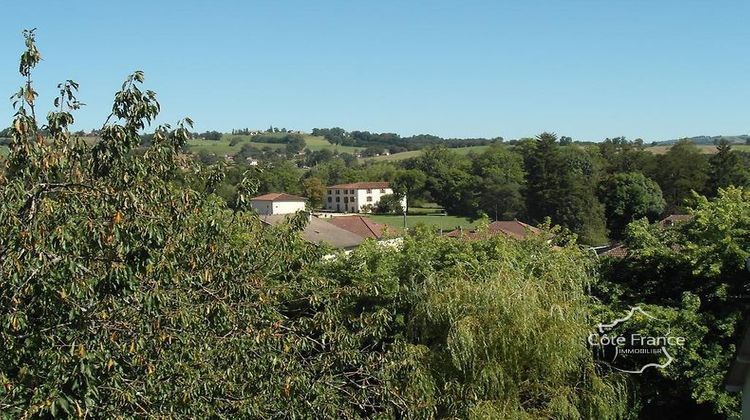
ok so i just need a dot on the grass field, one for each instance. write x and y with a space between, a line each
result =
222 147
4 150
445 223
415 153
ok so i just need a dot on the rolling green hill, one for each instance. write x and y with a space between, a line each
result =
223 147
415 153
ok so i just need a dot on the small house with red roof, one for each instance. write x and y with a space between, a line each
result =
277 203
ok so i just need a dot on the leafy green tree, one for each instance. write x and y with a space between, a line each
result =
501 180
575 204
629 196
726 168
314 190
695 269
389 204
409 183
622 155
541 169
334 172
679 172
280 176
211 135
295 144
561 185
449 179
469 365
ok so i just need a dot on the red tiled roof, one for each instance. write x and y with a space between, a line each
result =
511 228
359 225
278 197
361 185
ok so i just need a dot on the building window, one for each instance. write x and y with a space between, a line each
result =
346 199
351 191
369 191
338 199
369 198
329 199
338 191
382 190
330 192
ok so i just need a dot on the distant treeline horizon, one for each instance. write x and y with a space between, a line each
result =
398 143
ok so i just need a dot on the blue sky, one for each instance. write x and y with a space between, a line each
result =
587 69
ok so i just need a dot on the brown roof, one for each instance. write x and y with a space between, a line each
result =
318 231
618 251
361 185
674 218
278 197
510 228
359 225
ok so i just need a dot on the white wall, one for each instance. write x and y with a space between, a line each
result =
264 207
357 201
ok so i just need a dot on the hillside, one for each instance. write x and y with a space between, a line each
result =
709 140
708 149
224 146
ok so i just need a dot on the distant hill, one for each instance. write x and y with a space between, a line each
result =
710 140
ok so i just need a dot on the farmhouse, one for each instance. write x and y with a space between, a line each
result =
277 203
357 197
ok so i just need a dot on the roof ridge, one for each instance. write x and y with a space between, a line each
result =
368 222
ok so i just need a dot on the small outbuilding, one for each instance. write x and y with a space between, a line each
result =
278 203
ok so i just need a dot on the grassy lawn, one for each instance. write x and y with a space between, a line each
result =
4 150
446 223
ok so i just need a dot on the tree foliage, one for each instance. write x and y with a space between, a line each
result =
679 172
696 270
628 196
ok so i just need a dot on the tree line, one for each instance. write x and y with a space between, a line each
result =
394 142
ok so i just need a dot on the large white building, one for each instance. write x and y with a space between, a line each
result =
356 197
277 203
